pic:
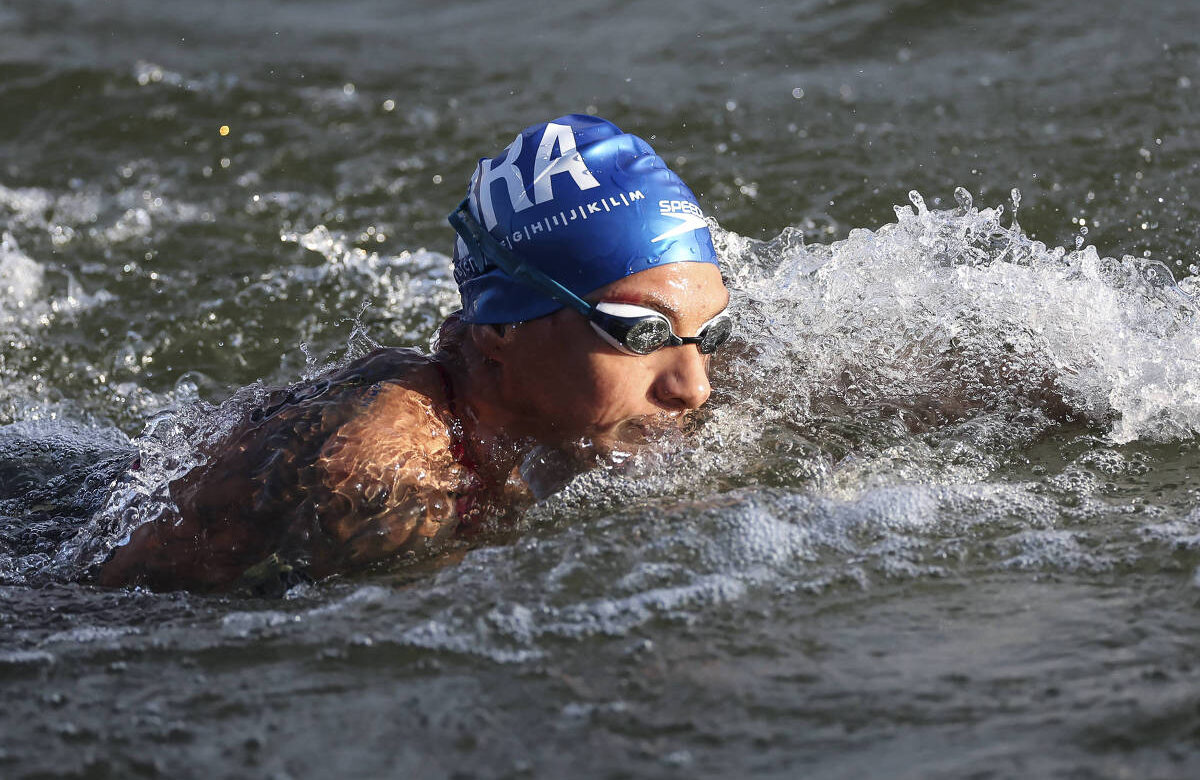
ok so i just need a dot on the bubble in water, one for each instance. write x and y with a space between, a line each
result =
963 199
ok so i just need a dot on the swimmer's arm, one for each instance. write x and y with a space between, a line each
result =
389 482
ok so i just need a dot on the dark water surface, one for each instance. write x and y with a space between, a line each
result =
882 555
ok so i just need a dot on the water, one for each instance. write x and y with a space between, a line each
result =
942 518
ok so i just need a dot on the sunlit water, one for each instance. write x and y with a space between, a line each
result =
941 519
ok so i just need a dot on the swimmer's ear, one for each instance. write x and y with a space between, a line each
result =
492 341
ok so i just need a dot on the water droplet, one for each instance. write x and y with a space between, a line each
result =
797 93
963 198
917 200
1016 199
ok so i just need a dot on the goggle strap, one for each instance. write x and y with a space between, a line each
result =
482 243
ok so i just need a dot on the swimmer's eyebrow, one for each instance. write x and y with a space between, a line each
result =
647 300
657 301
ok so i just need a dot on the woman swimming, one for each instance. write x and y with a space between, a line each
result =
581 260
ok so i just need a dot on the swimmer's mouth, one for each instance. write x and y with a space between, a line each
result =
649 429
637 431
629 437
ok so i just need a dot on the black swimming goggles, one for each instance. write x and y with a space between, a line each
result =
635 330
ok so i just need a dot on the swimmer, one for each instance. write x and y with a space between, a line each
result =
592 300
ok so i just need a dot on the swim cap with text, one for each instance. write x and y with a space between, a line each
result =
582 202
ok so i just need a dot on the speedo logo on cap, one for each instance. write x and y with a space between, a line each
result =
689 215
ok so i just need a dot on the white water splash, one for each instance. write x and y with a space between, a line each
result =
946 312
415 288
21 280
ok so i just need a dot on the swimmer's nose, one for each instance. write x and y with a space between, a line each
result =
683 380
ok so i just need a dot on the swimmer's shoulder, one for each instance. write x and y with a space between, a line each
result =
389 476
408 400
264 465
401 428
336 397
402 420
354 465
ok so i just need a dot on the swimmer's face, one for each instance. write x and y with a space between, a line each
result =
564 381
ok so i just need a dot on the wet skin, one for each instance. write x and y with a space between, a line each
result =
399 451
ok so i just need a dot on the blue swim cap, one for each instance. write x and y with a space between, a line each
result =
584 204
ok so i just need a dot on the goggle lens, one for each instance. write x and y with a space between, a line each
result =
648 335
715 334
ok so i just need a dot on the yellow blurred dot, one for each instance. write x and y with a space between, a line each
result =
224 130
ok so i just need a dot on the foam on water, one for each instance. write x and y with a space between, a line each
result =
28 303
20 279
